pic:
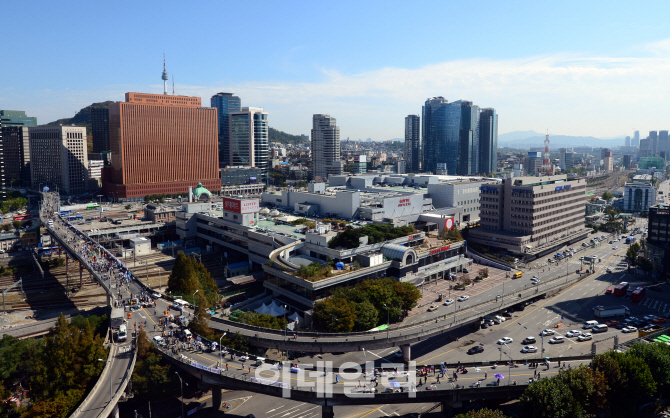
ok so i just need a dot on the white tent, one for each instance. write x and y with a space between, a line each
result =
295 317
263 309
276 310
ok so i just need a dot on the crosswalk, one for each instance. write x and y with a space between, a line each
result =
657 305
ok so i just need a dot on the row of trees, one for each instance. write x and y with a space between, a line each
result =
57 370
16 203
365 305
262 320
188 276
349 238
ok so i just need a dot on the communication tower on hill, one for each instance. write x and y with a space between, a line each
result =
164 77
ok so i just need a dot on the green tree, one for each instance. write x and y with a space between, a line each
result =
183 279
657 357
152 376
550 398
607 196
589 387
128 207
483 413
16 224
366 316
335 314
628 379
631 254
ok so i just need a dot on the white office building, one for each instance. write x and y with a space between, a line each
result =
639 195
325 147
59 159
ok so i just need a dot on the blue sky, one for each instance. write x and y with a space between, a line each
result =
575 68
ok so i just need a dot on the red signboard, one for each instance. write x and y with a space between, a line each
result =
448 223
404 202
241 205
439 250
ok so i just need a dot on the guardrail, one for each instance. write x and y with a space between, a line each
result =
122 387
105 371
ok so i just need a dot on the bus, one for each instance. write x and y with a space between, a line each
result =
75 217
621 289
65 212
93 206
630 240
22 217
638 294
517 275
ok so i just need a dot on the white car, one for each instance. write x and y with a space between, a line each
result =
535 278
505 340
547 332
628 329
584 337
529 349
649 317
574 333
615 247
557 340
448 302
243 358
463 298
535 281
156 295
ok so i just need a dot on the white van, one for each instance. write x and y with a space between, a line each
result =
590 324
123 334
188 334
599 328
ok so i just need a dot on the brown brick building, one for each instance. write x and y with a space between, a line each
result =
161 144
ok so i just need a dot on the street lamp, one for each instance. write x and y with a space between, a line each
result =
160 285
365 356
110 380
181 385
194 298
220 350
388 321
509 368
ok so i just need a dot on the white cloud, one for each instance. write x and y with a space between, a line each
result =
566 93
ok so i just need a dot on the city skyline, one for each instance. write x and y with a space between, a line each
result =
563 78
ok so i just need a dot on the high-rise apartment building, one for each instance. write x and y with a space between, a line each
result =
100 129
663 143
16 155
225 104
325 147
639 195
412 143
451 137
16 118
533 162
58 158
161 144
627 161
627 141
658 241
531 215
636 139
248 135
645 148
488 141
653 142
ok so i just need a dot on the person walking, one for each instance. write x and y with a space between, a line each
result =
486 375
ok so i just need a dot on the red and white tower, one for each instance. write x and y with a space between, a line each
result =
547 168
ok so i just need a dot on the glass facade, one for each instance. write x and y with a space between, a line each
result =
488 141
225 103
233 176
16 118
100 129
249 138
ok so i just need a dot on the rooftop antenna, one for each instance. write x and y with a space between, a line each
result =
164 76
173 84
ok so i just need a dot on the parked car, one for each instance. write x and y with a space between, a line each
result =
612 323
529 349
659 320
628 329
608 291
505 340
557 340
585 337
573 334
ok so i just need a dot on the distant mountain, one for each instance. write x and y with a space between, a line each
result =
512 136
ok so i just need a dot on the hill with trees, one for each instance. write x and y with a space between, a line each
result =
82 117
275 135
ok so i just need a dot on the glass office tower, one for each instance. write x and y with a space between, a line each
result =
488 141
225 103
249 138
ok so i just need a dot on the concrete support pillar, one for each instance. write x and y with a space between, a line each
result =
216 397
327 411
448 408
406 352
115 412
